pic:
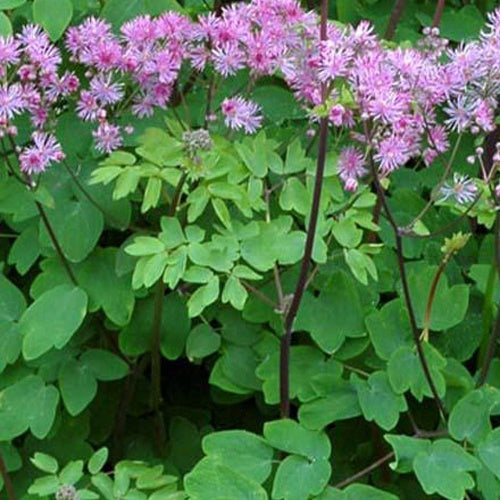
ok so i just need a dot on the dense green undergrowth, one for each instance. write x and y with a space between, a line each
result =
145 363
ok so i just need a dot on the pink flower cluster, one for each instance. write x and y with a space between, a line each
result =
390 100
33 84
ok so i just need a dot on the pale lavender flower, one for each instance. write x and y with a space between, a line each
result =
105 90
41 154
351 166
240 113
107 137
462 189
11 101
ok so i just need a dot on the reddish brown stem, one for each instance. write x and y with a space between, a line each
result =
397 12
306 260
438 13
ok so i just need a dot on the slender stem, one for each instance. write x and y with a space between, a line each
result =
440 184
396 14
490 353
261 296
430 299
286 340
89 196
28 182
406 288
420 434
438 13
279 288
156 396
366 470
7 481
495 334
55 242
410 234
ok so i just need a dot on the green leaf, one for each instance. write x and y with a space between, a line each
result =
44 486
52 320
111 292
10 344
298 478
340 404
202 341
135 339
145 245
443 469
156 7
53 15
449 305
5 25
11 4
116 12
470 417
174 335
16 416
405 371
203 297
98 460
347 233
389 328
306 364
406 449
25 250
72 472
489 451
378 401
77 225
78 386
277 103
340 300
45 463
241 451
234 293
12 301
288 435
356 492
274 243
171 234
104 365
211 480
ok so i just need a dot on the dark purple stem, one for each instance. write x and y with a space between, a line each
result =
397 12
304 268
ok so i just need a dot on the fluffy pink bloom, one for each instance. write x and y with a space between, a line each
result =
11 101
107 137
105 90
41 154
391 152
240 113
351 167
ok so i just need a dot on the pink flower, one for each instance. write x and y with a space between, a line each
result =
107 137
41 154
240 113
105 90
351 166
11 101
391 153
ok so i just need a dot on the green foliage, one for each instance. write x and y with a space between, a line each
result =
156 376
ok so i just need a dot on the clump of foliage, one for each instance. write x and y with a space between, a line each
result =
248 251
